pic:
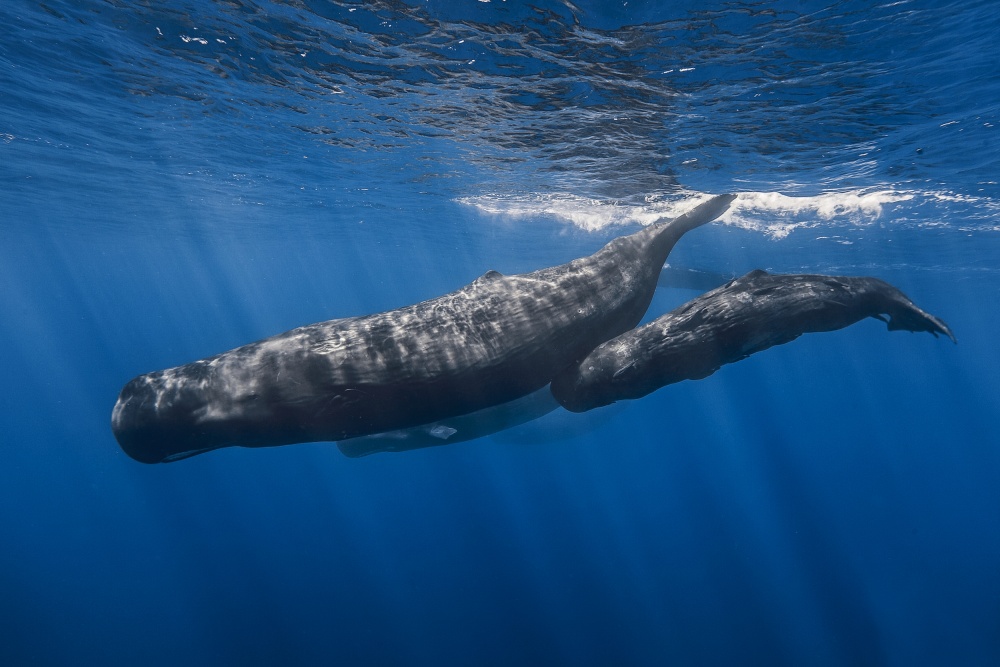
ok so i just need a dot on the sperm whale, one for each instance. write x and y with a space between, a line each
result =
496 340
747 315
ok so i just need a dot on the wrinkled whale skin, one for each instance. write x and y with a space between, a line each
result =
493 341
747 315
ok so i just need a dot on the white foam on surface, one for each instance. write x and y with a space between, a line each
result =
770 213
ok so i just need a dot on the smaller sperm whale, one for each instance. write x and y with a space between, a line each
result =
747 315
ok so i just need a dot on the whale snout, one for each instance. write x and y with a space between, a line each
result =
135 422
135 406
154 425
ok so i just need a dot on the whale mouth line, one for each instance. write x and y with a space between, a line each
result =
179 456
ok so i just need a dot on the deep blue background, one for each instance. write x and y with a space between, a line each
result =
833 501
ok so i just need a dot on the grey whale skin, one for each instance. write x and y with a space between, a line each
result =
743 316
493 341
747 315
512 414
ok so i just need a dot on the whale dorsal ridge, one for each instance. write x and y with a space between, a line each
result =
489 276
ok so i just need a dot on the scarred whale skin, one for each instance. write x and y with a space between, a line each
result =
495 340
747 315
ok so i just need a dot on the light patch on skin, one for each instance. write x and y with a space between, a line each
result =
442 431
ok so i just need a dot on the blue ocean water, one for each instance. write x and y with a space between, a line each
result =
178 178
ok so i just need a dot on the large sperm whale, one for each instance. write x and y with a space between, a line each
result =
496 340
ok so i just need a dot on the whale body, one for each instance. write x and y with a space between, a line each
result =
496 340
747 315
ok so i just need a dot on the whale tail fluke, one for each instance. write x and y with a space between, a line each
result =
901 314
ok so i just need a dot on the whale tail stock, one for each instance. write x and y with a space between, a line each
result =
702 213
661 237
